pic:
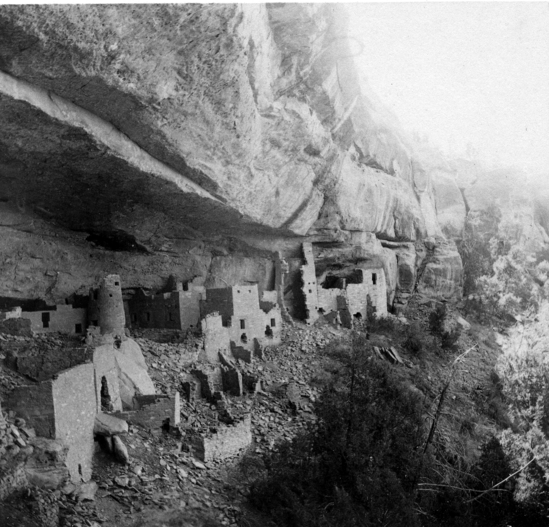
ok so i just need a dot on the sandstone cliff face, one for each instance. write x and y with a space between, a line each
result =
195 140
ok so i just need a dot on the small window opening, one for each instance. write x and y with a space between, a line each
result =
117 283
374 278
273 322
45 320
242 324
95 295
310 290
106 403
244 338
268 332
110 294
148 316
78 328
321 310
80 469
358 316
94 322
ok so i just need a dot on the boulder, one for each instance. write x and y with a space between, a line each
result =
463 323
108 425
120 451
132 373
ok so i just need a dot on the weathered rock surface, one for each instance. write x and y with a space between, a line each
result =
441 272
450 206
109 425
142 139
132 372
366 199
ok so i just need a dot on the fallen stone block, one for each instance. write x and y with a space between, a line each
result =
226 442
109 425
119 450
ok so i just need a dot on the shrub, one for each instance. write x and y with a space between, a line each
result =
437 320
415 339
358 466
438 326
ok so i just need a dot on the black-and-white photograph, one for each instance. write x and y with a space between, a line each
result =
274 264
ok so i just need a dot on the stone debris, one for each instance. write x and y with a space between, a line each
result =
389 354
109 425
250 408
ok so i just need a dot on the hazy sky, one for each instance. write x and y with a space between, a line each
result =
463 72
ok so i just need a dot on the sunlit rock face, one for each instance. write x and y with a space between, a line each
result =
449 202
441 275
367 199
149 140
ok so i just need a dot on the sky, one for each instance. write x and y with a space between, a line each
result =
462 73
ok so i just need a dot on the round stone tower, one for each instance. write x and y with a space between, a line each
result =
111 306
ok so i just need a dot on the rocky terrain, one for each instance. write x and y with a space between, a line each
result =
205 143
164 478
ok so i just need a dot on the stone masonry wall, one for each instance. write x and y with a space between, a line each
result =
218 300
245 300
309 287
216 337
64 319
226 442
75 409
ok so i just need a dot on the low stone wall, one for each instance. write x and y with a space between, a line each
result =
226 442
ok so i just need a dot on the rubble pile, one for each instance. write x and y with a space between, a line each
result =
42 356
226 409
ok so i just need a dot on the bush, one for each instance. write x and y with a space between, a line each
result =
438 326
415 339
437 320
358 466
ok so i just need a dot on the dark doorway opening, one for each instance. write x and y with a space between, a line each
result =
106 403
45 320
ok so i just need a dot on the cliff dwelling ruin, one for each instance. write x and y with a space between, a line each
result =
92 371
203 207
